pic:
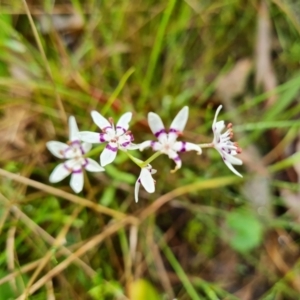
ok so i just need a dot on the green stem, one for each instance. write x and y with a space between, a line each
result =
210 145
151 158
135 160
177 268
117 91
115 94
156 50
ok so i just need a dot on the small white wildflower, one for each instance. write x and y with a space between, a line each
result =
146 180
117 137
223 145
167 142
74 153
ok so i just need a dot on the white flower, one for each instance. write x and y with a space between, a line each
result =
167 143
74 153
146 180
222 143
117 137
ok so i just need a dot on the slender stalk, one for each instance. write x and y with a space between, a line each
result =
178 269
156 50
60 193
141 163
210 145
151 158
41 49
117 91
135 160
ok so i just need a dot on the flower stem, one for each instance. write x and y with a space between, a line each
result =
117 91
135 160
210 145
151 158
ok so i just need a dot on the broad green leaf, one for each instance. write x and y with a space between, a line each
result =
105 289
246 230
142 289
119 175
108 196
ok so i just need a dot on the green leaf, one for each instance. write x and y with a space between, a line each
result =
6 291
106 288
142 289
246 229
118 175
108 196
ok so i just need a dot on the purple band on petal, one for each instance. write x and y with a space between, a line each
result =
153 144
122 128
158 133
126 144
101 137
107 127
65 151
76 142
81 149
173 130
109 147
85 163
130 137
183 147
177 158
139 180
67 168
77 171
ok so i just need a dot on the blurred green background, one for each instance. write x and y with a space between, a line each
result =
204 233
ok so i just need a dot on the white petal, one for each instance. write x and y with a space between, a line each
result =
136 191
229 165
133 146
157 126
231 159
99 120
147 180
123 123
178 124
124 140
156 146
216 115
219 126
109 154
153 171
173 155
73 129
73 151
185 146
90 137
180 120
73 164
76 182
192 146
145 145
57 148
93 166
86 147
59 173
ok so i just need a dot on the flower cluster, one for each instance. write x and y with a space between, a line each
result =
118 137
